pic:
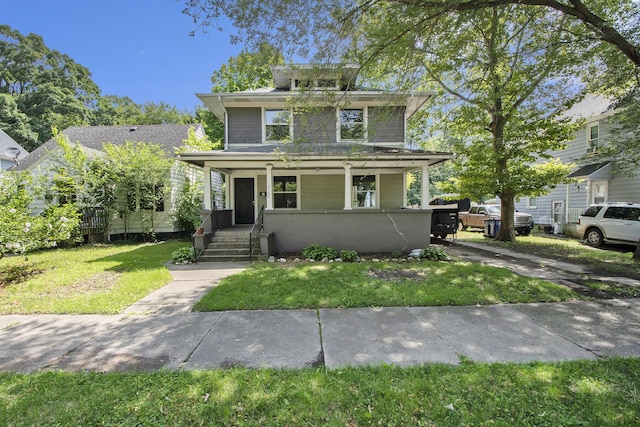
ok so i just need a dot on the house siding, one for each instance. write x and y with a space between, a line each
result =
315 126
322 192
391 191
386 124
245 125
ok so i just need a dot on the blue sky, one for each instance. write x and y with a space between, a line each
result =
135 48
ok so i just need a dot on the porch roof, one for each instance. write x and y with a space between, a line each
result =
330 156
593 171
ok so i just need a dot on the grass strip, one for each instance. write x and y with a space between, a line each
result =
585 393
382 284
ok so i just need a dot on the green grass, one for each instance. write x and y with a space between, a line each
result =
582 393
88 279
571 250
368 284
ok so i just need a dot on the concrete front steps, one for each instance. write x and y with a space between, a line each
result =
231 245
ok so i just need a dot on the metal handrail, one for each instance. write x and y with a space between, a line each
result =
259 225
206 228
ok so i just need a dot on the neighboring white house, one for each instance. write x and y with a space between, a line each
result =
595 182
11 153
93 138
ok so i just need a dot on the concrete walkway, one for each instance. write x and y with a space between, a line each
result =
161 332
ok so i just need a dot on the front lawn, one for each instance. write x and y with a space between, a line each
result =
88 279
601 393
606 259
371 284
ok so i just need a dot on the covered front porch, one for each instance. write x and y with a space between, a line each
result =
355 202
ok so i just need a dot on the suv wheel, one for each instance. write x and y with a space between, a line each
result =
594 237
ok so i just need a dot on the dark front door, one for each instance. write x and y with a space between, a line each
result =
244 200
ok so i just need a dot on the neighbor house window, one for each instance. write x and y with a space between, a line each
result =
593 138
363 191
285 192
532 202
351 124
277 125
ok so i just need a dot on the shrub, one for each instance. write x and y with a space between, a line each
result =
434 254
348 256
183 255
319 252
396 254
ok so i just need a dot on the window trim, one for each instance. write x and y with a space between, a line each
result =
365 114
591 148
376 194
274 192
265 124
532 206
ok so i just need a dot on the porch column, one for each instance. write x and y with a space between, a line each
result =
347 186
405 201
424 199
227 191
207 189
269 187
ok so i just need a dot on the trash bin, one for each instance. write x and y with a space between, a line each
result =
491 227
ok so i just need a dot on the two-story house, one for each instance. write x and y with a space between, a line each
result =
594 182
318 160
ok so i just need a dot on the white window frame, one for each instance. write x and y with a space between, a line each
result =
365 114
532 205
315 83
376 191
591 147
297 192
592 194
265 124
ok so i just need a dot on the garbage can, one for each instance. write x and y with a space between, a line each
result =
491 227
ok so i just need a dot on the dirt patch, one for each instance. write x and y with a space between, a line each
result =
392 275
14 274
96 283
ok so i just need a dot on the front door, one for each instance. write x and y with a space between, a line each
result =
244 202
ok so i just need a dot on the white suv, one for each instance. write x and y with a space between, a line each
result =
610 222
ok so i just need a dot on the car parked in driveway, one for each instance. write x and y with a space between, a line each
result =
523 222
610 222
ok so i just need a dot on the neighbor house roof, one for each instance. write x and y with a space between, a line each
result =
168 137
9 148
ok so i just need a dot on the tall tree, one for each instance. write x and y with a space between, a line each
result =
48 87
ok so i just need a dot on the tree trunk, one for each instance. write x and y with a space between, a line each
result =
507 215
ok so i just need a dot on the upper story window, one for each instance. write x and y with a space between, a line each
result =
593 138
277 125
328 83
351 124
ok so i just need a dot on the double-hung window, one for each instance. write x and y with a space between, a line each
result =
351 124
285 192
593 138
363 191
277 125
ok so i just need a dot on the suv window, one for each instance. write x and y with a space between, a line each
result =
473 210
632 214
615 213
592 211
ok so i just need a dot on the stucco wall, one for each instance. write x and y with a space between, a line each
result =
362 231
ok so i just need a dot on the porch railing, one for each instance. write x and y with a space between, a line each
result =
206 230
573 214
254 234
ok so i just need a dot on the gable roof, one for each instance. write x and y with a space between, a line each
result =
168 137
8 146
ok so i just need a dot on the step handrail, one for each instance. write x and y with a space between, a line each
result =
258 226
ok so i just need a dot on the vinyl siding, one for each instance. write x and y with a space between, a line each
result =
322 192
391 191
316 126
386 124
245 125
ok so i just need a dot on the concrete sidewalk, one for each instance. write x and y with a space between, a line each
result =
161 332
